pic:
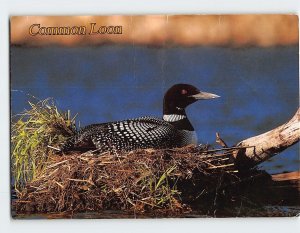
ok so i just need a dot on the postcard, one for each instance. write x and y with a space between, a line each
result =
154 116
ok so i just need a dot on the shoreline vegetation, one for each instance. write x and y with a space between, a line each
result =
155 183
31 133
263 30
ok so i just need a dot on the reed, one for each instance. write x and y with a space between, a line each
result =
31 133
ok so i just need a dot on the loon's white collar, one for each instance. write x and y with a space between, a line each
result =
173 117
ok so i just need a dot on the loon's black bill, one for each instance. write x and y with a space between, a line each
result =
204 96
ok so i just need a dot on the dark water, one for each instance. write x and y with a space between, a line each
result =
258 87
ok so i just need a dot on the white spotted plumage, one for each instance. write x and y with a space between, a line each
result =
143 132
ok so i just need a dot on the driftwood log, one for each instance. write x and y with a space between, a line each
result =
260 148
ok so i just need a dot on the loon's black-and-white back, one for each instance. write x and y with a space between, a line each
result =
174 130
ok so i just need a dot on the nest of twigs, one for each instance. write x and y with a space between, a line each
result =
142 181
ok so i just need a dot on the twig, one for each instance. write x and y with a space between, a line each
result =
54 148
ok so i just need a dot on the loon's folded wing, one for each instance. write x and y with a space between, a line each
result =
144 132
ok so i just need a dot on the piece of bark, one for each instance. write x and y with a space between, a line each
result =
264 146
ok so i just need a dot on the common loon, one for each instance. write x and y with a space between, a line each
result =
174 130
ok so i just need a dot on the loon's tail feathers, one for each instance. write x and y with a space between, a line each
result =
76 144
68 145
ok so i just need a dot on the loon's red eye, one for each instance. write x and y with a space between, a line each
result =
183 92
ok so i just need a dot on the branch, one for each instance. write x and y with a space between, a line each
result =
266 145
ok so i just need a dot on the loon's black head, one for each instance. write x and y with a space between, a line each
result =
179 96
